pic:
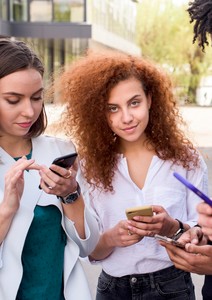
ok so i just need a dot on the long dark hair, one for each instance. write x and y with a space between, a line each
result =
200 12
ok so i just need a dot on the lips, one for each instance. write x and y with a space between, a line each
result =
25 125
129 128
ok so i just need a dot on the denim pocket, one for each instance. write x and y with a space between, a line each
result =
177 287
104 283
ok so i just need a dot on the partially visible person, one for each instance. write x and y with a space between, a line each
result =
205 218
123 115
200 12
43 231
198 255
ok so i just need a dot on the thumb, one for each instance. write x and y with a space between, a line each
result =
157 209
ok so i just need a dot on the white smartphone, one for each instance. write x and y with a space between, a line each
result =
169 240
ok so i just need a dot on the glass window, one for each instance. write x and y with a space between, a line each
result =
41 10
18 10
3 10
68 10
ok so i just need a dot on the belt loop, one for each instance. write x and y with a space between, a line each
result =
152 280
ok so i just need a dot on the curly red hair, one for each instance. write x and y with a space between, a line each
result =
85 87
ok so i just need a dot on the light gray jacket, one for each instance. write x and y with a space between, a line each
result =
45 149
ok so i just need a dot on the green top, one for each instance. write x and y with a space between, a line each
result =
43 256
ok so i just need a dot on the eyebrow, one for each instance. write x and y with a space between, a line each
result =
17 94
132 98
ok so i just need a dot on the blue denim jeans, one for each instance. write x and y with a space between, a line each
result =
169 283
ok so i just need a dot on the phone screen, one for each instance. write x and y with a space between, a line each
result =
65 161
193 188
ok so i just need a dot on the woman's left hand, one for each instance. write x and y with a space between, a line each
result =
160 223
61 183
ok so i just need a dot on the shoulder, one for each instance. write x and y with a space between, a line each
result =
65 145
202 162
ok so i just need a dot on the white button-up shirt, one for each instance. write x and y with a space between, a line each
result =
160 188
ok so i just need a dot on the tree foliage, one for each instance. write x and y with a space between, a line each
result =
165 35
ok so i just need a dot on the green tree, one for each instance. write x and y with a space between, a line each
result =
165 35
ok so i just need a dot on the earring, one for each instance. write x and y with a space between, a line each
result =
114 136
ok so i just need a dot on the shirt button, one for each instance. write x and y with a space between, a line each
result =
133 279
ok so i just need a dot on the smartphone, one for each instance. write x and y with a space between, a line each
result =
193 188
139 211
65 161
169 240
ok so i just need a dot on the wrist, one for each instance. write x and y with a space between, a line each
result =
108 240
71 197
173 228
7 211
179 229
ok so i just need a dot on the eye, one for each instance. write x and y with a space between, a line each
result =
135 103
12 102
112 108
37 98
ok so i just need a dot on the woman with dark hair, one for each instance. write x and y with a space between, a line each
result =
42 230
123 115
200 12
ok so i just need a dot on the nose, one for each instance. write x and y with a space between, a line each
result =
127 116
28 110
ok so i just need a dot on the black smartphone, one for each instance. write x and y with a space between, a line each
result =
65 161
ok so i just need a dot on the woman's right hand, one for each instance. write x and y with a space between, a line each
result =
13 190
14 184
117 236
121 236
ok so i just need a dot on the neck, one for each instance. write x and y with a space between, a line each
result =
138 146
16 147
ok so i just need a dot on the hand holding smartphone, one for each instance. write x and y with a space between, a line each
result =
65 161
139 211
193 188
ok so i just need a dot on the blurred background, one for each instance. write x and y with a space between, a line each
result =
62 30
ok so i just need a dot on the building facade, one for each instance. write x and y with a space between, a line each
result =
61 30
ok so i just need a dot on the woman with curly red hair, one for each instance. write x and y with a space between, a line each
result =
123 116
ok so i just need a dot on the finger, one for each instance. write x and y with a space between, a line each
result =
63 172
68 175
143 219
204 208
13 179
158 209
33 166
204 250
47 183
